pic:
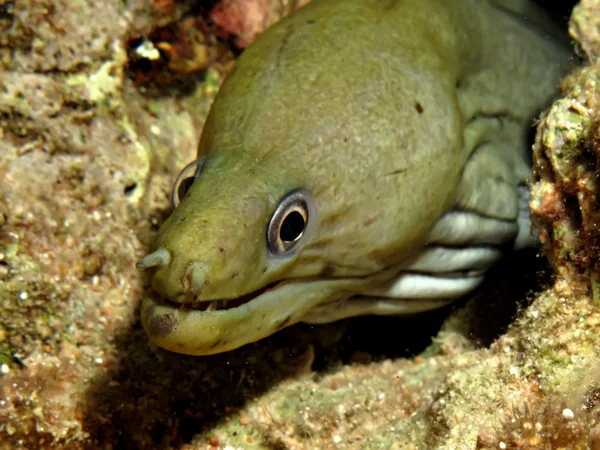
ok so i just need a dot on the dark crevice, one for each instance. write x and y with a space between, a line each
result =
130 189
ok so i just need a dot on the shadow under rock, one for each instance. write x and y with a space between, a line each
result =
510 287
157 399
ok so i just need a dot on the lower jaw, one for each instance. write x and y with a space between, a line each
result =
179 328
183 329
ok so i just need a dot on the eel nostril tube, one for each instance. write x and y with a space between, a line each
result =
160 257
196 276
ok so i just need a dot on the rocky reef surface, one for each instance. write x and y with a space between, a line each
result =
101 105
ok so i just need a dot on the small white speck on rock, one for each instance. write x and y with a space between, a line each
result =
568 414
147 50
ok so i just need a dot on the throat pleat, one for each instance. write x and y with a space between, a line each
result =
461 228
420 286
461 247
440 259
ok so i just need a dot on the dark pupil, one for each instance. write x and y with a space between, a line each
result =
292 227
184 186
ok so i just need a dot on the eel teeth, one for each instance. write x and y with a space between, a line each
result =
212 306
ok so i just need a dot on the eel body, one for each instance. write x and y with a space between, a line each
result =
363 157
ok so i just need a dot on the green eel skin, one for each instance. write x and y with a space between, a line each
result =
363 157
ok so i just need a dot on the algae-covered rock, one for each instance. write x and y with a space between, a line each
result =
86 161
565 192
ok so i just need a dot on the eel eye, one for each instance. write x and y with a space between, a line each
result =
289 223
185 179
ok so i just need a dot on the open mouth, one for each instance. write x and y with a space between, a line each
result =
223 304
205 327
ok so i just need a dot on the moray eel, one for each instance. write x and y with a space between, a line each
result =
362 157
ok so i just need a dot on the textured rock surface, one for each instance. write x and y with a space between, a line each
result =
565 197
101 104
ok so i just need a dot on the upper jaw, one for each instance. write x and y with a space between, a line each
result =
192 302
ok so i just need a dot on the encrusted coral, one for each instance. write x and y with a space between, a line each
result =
566 186
543 426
